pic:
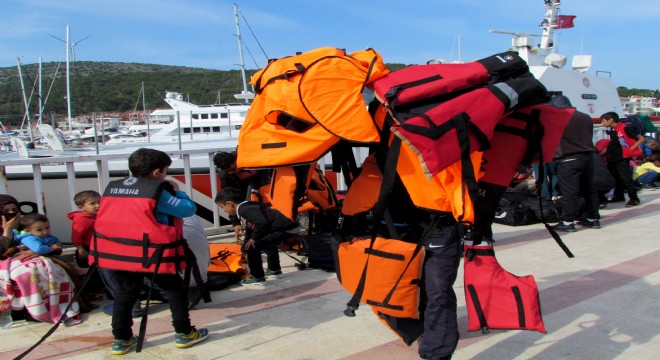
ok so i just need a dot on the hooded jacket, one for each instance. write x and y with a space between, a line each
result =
82 228
259 220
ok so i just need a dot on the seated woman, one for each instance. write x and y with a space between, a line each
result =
32 282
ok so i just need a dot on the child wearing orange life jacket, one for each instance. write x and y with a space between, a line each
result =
265 229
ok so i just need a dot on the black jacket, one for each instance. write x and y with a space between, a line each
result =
577 137
260 220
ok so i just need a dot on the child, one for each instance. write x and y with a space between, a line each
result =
265 228
82 232
623 146
36 237
137 215
647 173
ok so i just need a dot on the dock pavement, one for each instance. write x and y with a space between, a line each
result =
602 304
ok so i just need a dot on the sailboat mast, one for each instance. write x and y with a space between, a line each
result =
68 83
41 103
240 53
25 100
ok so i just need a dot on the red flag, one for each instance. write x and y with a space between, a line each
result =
565 21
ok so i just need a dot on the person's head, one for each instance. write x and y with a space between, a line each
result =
87 201
609 119
653 144
560 101
228 199
36 224
225 161
655 159
8 207
149 163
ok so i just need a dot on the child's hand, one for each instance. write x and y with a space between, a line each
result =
56 249
238 231
174 185
249 244
11 224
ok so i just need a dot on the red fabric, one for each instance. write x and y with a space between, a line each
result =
627 142
82 228
492 290
565 21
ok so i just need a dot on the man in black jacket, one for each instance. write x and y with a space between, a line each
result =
265 229
575 169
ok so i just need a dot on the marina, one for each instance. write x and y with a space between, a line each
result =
602 304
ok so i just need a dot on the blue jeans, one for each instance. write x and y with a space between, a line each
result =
648 177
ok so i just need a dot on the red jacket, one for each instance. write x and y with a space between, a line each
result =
82 228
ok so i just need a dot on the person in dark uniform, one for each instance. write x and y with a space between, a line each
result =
575 170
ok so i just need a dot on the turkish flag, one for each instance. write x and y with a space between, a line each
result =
565 21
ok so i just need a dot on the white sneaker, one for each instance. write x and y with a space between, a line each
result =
270 274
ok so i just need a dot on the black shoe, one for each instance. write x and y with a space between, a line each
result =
616 199
632 202
563 227
590 224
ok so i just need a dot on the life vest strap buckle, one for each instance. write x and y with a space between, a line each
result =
350 310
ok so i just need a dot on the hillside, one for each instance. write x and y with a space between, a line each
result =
111 87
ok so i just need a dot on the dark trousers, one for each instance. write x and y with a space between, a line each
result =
270 246
576 177
125 287
620 170
443 255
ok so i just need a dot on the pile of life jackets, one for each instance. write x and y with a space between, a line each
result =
445 140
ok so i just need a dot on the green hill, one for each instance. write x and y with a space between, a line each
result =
111 87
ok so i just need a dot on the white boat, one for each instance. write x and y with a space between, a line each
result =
591 94
187 122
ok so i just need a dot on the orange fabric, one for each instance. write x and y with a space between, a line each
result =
363 193
444 191
387 262
297 118
226 258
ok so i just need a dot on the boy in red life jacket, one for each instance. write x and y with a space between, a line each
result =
149 165
624 144
265 229
82 233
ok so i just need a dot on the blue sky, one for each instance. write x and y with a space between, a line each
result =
199 33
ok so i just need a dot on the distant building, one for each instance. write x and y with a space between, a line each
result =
639 105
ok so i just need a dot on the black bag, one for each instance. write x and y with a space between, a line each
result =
319 251
514 213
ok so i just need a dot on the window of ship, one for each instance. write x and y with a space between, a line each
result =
216 129
589 96
186 130
237 127
195 116
214 116
197 130
224 115
206 129
205 116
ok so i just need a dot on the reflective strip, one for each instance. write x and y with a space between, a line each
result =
509 92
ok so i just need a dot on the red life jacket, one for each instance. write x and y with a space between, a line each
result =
626 142
495 298
128 237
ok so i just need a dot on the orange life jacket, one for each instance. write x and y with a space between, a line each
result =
128 237
305 104
392 279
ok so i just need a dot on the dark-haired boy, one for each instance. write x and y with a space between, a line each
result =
623 146
265 229
157 206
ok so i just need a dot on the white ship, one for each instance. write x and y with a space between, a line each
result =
591 94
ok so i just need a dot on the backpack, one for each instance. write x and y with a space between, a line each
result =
634 122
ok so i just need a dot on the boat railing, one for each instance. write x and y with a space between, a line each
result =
104 166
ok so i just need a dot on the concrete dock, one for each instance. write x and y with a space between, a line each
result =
602 304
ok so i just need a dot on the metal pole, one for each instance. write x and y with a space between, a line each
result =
96 139
41 105
25 101
178 126
240 53
68 82
192 130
